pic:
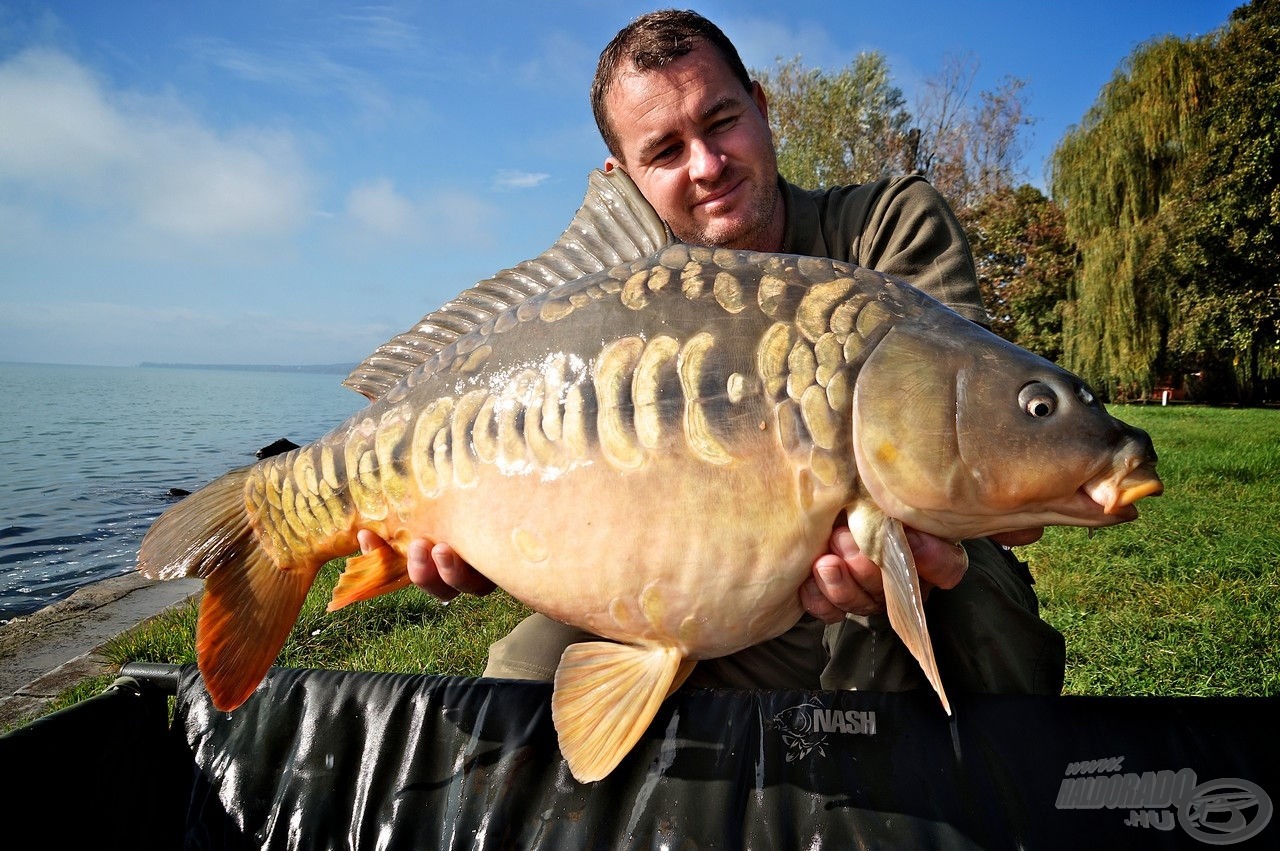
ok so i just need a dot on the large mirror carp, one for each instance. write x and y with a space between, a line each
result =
654 452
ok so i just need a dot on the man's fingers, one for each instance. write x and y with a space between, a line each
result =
1019 537
424 573
457 573
938 562
844 584
368 540
816 604
435 568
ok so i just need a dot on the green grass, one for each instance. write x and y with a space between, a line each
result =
1184 601
406 632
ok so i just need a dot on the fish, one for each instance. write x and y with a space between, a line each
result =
654 451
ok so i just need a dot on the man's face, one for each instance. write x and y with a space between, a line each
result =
698 147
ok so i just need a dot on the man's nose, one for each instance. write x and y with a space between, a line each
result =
706 161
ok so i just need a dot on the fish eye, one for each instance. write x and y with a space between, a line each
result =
1038 400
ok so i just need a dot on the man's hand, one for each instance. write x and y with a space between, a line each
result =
435 568
845 581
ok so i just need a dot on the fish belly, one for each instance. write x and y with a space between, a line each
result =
705 558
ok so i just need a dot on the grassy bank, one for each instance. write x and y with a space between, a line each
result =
1184 601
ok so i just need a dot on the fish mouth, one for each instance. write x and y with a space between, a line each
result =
1115 493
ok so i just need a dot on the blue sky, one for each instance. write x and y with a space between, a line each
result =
294 182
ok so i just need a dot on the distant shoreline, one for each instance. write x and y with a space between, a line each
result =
324 368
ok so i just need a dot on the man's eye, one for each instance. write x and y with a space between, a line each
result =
724 124
666 154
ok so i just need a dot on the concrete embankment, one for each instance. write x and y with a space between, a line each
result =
46 652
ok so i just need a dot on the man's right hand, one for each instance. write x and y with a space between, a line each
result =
844 581
440 571
435 568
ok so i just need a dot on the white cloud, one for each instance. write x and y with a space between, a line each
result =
761 42
381 28
511 179
141 162
379 210
378 213
461 219
300 68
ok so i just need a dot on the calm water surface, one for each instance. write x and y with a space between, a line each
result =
88 455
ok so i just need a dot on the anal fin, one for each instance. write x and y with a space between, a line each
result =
605 696
378 572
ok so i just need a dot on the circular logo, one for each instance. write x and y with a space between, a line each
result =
1225 811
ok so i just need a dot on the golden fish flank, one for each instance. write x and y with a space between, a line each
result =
701 415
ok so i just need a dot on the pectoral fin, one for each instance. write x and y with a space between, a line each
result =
884 541
605 696
378 572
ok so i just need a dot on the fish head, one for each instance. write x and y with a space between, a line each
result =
962 434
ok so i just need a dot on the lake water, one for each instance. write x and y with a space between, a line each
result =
88 455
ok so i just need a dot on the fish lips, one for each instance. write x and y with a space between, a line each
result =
1116 495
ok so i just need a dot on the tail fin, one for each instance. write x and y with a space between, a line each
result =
249 604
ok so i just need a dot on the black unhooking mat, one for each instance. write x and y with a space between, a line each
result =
326 759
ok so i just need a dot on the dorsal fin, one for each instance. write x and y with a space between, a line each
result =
614 225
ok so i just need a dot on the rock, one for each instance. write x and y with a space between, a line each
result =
281 445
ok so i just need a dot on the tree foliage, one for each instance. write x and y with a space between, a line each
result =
833 129
1024 262
852 126
1226 259
1113 175
969 151
1170 191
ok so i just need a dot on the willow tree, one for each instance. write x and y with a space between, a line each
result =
1112 175
1226 320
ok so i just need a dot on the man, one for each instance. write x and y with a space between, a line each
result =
683 119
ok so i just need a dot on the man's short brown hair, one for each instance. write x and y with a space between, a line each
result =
653 41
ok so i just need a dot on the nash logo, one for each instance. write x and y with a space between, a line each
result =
1219 812
804 728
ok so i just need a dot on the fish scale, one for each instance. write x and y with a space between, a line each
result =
631 406
656 453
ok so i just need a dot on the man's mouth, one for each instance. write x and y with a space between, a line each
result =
718 197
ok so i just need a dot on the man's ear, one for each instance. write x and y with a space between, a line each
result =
762 103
